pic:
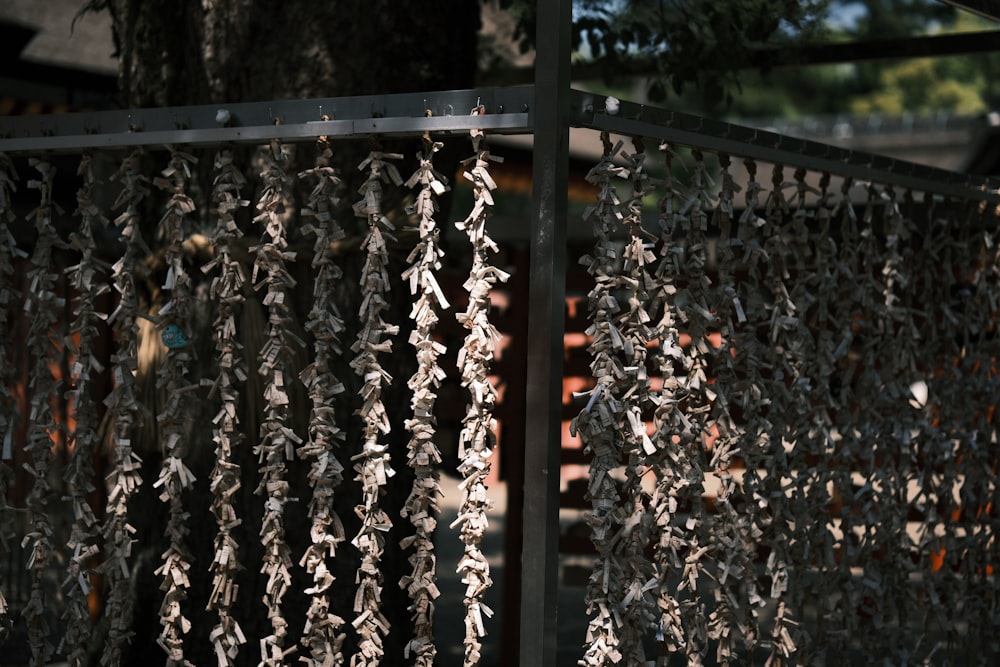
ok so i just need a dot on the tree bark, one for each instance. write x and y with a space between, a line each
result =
208 51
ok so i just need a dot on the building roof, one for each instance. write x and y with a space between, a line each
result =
82 44
52 64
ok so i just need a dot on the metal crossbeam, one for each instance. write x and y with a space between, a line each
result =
507 111
632 119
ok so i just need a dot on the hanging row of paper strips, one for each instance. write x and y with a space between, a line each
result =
423 455
173 321
793 449
107 548
227 291
8 251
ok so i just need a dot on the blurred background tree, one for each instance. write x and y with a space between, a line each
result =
759 58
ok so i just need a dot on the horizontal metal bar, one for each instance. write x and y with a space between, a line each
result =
863 50
342 129
716 136
895 48
506 110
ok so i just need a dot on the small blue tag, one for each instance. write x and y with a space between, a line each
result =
173 337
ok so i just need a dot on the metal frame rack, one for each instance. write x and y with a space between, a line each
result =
546 110
513 110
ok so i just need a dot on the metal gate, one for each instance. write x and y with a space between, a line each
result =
790 432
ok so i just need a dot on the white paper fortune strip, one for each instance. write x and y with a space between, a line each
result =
766 306
824 289
122 403
966 494
323 634
42 308
228 281
8 252
372 463
175 329
673 433
634 326
277 439
847 442
423 456
732 621
477 438
88 284
597 424
787 437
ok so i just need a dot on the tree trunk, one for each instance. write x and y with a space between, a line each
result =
223 51
208 51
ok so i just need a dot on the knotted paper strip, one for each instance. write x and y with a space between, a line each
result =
8 252
372 463
277 439
598 422
42 307
634 327
88 284
123 404
175 328
477 438
323 634
423 456
228 282
731 538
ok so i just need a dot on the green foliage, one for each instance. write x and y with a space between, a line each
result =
897 18
923 85
702 51
960 84
699 52
694 43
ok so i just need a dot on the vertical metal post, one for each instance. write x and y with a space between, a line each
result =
546 303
